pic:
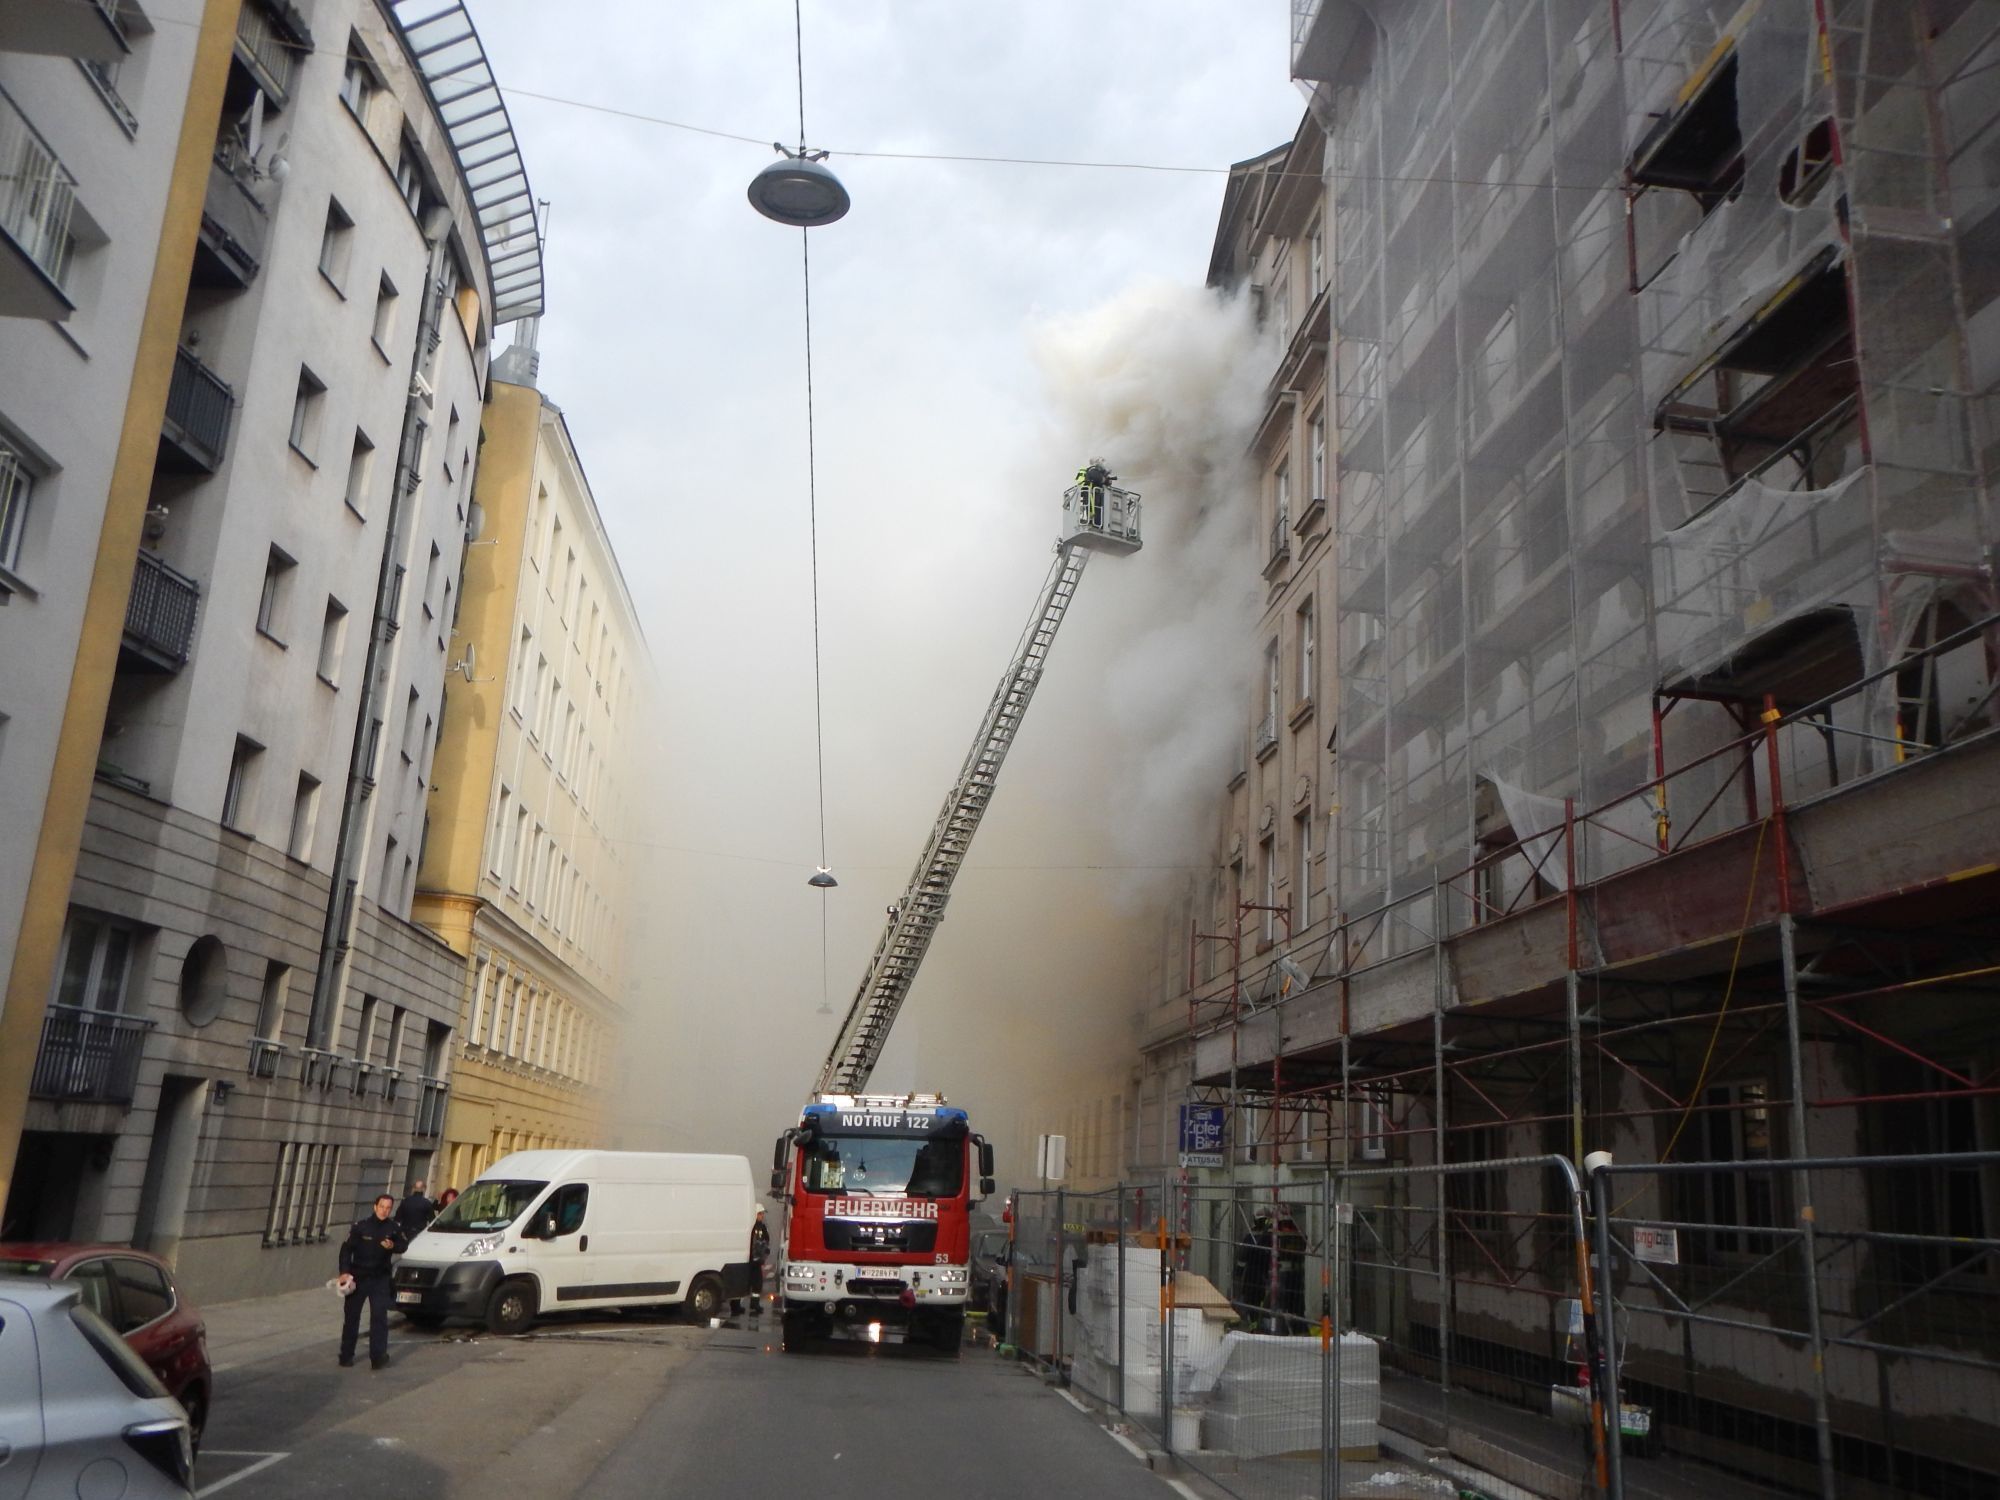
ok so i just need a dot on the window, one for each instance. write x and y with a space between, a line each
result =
1267 730
302 1190
336 244
385 315
568 579
1316 260
431 581
237 791
1372 1126
523 850
305 812
1281 279
541 692
332 637
1268 853
1281 500
1316 450
496 859
450 441
307 408
523 679
410 744
359 465
96 957
358 86
273 602
555 545
17 484
1732 1126
1302 841
399 1020
271 1001
1308 634
564 762
410 177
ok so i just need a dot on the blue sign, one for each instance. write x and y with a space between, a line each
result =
1201 1134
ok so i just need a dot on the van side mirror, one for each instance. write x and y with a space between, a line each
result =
778 1153
987 1187
985 1159
777 1181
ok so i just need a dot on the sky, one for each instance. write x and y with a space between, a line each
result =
976 328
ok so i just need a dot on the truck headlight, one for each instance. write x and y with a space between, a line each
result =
951 1276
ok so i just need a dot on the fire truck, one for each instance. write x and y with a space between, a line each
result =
878 1188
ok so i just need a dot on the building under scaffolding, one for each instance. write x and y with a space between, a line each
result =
1660 343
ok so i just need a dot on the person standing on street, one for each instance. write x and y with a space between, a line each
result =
366 1256
415 1212
760 1258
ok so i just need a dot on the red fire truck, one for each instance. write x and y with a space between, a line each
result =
877 1187
878 1191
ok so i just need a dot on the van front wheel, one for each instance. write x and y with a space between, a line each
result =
511 1308
704 1298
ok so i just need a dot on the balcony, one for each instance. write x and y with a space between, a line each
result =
159 618
88 30
432 1095
1265 740
88 1056
271 37
235 226
37 199
1281 543
197 426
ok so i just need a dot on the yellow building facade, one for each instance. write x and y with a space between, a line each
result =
520 873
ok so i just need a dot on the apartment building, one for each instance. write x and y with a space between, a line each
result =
1660 768
94 255
1269 890
527 876
247 1036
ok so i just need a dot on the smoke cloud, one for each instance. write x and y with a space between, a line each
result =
1053 941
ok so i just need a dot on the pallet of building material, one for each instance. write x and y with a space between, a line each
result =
1266 1395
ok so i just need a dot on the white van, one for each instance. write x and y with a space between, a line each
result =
548 1230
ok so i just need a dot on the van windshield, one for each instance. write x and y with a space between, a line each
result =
486 1206
893 1166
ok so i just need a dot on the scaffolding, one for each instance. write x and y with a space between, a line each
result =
1668 645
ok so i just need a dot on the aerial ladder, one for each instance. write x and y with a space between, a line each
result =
1097 517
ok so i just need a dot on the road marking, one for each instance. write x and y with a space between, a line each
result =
1127 1444
1180 1487
264 1461
1074 1402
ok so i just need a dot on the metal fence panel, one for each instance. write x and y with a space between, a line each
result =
1832 1326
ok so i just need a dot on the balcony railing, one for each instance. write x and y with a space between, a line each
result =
1266 737
431 1096
269 48
1281 540
198 405
235 224
159 617
37 195
88 1056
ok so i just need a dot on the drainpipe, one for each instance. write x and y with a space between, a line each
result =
342 902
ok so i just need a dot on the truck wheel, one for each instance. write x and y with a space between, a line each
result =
797 1332
948 1332
704 1297
511 1308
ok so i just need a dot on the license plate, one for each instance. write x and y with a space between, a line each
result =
409 1296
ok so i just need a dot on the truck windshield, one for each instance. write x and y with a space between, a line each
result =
487 1206
885 1166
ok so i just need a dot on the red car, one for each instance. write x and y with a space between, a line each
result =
135 1293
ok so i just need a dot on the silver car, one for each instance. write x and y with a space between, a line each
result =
80 1413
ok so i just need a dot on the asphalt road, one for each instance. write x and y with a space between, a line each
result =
615 1407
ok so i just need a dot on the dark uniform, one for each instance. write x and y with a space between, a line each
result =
367 1254
414 1215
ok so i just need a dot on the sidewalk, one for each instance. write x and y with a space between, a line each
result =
261 1328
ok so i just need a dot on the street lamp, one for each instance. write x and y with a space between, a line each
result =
799 189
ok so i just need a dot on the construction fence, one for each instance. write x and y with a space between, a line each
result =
1411 1330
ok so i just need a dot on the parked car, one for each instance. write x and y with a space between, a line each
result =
584 1230
135 1293
75 1399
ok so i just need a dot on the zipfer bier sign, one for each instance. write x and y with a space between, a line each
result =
1201 1135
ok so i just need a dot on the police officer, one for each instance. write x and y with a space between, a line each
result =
366 1256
